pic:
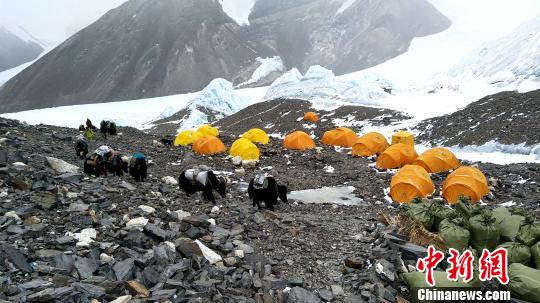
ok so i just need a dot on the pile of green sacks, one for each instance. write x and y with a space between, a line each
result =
469 226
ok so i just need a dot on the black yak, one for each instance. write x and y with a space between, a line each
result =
107 127
138 168
95 165
265 188
195 180
117 164
81 147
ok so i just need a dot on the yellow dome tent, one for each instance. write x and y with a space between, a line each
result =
186 137
465 181
370 144
311 116
403 137
438 159
208 146
256 135
397 156
208 130
341 136
409 182
298 140
245 149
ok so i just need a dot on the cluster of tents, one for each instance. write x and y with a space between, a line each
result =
205 141
412 180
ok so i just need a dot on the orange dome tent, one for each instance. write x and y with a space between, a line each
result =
396 156
410 182
208 145
465 181
298 140
438 159
341 136
403 137
370 144
311 116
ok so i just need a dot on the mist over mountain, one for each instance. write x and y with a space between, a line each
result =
15 50
149 48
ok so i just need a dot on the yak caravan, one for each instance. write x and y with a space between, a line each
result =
270 151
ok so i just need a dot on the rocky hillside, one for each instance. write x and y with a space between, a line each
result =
69 238
16 51
284 115
149 48
507 117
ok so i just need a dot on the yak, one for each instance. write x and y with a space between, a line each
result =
117 165
107 127
138 167
195 180
94 164
266 189
81 147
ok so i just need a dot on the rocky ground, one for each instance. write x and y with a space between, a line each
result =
507 117
66 237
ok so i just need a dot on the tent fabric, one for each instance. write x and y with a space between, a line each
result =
187 137
208 130
256 135
403 137
311 116
341 136
370 144
409 182
208 146
465 181
397 156
244 149
298 140
437 160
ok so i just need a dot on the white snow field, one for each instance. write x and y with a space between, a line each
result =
268 66
238 10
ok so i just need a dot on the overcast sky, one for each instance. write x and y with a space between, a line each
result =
53 20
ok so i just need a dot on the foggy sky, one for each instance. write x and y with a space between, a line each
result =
53 20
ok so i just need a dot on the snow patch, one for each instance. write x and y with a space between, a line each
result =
341 195
238 10
346 4
266 67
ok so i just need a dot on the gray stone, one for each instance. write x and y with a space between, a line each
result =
188 247
65 262
85 267
45 295
301 295
37 283
93 290
17 258
44 200
60 166
196 221
326 295
124 270
337 290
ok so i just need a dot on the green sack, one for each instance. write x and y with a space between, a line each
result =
507 223
441 212
466 208
418 280
484 232
420 211
524 282
517 252
535 252
529 231
454 234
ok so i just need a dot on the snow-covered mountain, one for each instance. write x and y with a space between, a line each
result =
17 47
515 57
149 48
